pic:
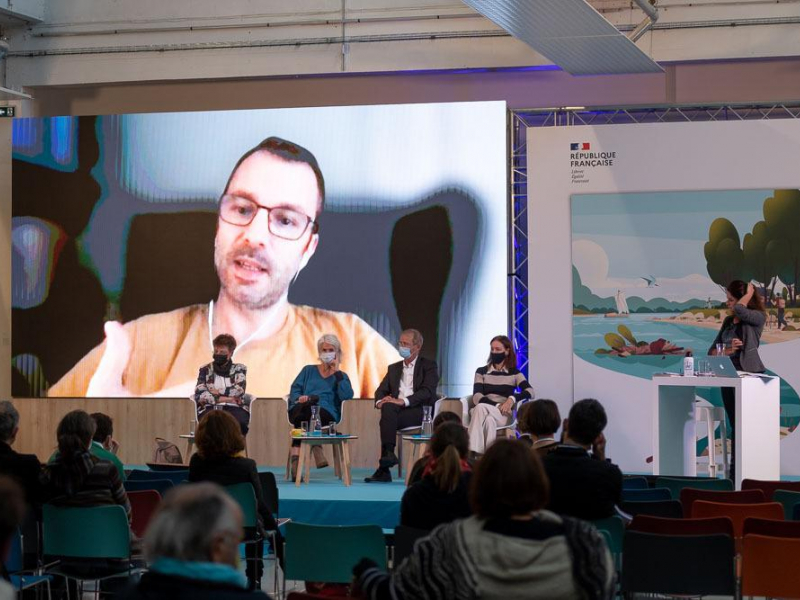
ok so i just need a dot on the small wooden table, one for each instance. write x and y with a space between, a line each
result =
341 455
418 443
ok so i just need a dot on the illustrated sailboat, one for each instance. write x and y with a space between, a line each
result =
622 306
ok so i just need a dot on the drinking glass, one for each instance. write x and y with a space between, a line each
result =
304 427
192 426
720 349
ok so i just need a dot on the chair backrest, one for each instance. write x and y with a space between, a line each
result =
13 561
634 483
143 505
404 539
307 596
737 512
769 487
245 497
690 564
771 527
91 532
662 526
642 495
615 528
690 495
676 484
341 546
790 500
269 487
162 486
769 566
670 509
175 477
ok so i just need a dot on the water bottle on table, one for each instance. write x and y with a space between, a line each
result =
316 424
427 421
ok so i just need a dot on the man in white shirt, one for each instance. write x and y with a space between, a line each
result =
408 386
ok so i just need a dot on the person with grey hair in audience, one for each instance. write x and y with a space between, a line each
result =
23 468
323 385
192 547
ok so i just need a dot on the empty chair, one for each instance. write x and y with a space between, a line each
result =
662 526
657 508
20 579
769 487
685 565
737 512
404 540
790 501
162 486
644 495
690 495
615 527
676 484
771 527
175 477
769 566
634 483
143 505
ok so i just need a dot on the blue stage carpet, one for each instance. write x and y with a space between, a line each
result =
326 500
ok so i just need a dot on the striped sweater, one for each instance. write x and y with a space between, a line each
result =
557 558
499 384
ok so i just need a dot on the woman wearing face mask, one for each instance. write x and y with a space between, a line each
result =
223 382
323 385
495 394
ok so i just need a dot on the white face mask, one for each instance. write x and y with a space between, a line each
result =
327 357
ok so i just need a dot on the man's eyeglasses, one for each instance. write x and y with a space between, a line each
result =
283 222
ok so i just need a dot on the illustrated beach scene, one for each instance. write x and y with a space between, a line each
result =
649 272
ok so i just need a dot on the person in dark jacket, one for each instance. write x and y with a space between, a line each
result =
538 422
192 547
219 459
23 468
443 493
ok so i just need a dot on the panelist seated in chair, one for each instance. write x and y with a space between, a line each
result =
408 386
323 385
223 382
494 394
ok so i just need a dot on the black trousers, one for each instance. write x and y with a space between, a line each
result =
394 418
729 402
302 412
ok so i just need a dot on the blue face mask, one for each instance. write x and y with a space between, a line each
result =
404 352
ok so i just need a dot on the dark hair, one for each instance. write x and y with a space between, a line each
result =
509 481
104 427
9 420
12 508
446 416
226 340
510 362
290 152
74 434
449 445
539 417
587 419
738 288
218 435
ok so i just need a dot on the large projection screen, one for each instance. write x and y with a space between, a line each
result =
115 219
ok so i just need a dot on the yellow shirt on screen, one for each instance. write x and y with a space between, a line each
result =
168 349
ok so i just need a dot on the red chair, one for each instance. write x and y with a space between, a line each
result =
769 487
737 512
662 526
769 567
143 505
690 495
771 528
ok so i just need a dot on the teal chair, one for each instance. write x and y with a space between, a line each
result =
615 528
634 482
335 551
176 477
676 484
645 495
790 500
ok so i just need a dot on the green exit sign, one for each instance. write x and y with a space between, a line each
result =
6 111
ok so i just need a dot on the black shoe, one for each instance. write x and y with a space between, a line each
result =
380 476
389 460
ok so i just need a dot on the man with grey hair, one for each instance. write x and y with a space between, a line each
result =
24 468
408 386
192 546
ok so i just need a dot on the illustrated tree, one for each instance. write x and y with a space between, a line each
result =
724 255
759 263
782 216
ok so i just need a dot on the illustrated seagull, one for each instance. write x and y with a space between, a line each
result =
651 281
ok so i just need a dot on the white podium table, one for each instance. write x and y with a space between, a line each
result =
757 439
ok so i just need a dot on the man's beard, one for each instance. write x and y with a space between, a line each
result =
257 295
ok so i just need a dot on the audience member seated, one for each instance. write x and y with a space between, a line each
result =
494 394
511 548
23 468
104 446
12 512
443 493
219 459
192 546
75 477
538 422
323 385
583 485
446 416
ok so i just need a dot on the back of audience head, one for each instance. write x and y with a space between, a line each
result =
104 427
12 509
9 422
74 434
540 418
196 522
219 435
587 420
509 481
449 445
446 416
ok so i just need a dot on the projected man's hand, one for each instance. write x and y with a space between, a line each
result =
107 379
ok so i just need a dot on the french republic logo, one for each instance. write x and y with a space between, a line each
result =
581 146
582 155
